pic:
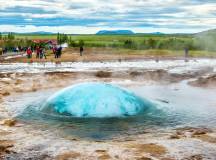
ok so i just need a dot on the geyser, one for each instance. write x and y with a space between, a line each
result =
95 100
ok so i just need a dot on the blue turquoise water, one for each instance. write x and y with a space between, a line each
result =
95 100
170 107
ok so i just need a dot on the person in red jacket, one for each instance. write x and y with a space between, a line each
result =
29 53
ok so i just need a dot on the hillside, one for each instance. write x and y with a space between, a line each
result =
115 32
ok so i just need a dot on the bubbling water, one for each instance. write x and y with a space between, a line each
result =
95 100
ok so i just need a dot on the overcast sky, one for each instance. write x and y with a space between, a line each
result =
89 16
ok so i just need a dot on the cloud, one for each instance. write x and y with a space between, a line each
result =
158 14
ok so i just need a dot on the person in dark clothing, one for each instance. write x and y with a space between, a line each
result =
41 53
186 54
59 52
81 50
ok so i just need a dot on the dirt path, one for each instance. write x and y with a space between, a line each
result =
97 54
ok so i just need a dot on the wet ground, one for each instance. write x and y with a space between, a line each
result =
180 126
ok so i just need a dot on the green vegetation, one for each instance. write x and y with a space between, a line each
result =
62 38
139 41
198 43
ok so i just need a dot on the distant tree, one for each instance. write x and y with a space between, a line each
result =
58 38
0 36
62 38
11 36
129 44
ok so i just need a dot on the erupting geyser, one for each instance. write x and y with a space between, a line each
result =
95 100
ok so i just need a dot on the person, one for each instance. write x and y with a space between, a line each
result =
41 53
186 54
5 50
29 53
55 51
81 50
44 53
37 52
59 52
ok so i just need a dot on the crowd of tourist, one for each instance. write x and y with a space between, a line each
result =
41 52
38 50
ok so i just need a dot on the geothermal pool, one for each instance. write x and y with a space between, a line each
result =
166 107
59 106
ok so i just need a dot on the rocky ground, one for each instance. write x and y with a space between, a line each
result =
18 140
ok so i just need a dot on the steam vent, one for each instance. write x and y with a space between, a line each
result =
95 100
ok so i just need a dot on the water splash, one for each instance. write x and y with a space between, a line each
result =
95 100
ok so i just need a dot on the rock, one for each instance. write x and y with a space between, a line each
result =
192 131
135 73
4 93
4 133
103 74
28 156
164 101
104 157
9 122
68 156
175 136
151 148
18 81
143 158
209 81
34 87
201 131
195 157
18 89
101 151
206 138
5 146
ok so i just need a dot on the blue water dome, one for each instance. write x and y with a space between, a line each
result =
95 100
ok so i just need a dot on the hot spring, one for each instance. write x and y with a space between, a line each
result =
95 100
105 111
94 110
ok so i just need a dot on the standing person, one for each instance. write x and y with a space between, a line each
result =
37 52
186 54
81 50
59 52
44 53
41 53
55 50
29 53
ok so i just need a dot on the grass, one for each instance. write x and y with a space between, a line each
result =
171 44
105 38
